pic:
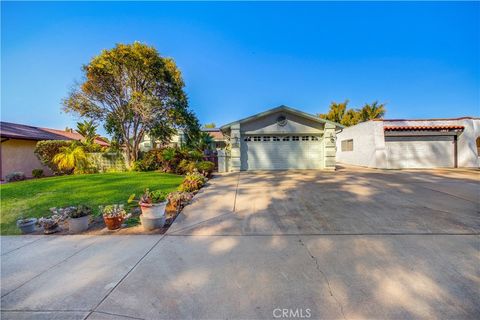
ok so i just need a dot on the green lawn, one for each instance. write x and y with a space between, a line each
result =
33 198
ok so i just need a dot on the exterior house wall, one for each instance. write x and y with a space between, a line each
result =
466 145
369 141
18 155
368 148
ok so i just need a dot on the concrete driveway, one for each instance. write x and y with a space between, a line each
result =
350 244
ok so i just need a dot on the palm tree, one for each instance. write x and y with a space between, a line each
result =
336 112
71 159
88 129
372 111
205 141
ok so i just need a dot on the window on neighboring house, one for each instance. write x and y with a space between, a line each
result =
266 138
257 138
295 138
286 139
304 138
347 145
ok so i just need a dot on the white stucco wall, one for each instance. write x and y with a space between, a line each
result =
369 141
466 145
368 144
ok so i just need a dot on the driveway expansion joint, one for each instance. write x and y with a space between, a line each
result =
118 315
26 244
324 276
125 276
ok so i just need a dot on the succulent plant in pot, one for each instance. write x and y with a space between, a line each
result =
79 218
26 225
114 215
152 204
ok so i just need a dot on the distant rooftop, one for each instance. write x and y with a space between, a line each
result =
24 132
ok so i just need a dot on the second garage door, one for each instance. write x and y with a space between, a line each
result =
420 152
282 152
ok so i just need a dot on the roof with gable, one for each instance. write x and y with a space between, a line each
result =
286 109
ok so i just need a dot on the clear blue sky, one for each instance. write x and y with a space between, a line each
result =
238 59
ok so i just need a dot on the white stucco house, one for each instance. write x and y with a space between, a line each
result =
278 139
396 144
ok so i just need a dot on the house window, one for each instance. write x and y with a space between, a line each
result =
286 139
247 139
257 138
266 138
276 138
314 138
347 145
295 138
304 138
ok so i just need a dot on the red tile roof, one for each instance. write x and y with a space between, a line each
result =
422 128
24 132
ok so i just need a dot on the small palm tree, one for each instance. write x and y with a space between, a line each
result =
88 129
337 111
71 159
372 111
205 141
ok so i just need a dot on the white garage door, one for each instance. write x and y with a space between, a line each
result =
282 152
420 152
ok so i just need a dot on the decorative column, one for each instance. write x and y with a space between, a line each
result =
235 148
329 143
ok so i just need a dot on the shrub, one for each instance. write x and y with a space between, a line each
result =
47 149
37 173
73 159
179 198
186 166
15 176
151 160
192 182
205 168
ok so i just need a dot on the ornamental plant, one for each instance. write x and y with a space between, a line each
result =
149 197
114 211
179 198
80 211
193 182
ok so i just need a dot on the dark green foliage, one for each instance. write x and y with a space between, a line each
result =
81 211
170 159
37 173
47 149
205 168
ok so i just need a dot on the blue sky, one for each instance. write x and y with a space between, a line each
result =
238 59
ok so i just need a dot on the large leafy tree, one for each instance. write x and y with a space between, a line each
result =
133 90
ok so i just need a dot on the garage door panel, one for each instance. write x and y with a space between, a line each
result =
279 155
419 152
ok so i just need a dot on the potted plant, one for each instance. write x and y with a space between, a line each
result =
114 215
50 225
26 225
152 204
178 199
79 219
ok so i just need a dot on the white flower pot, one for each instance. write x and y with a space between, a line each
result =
153 210
78 225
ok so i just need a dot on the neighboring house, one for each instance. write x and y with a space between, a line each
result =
18 143
217 135
396 144
279 139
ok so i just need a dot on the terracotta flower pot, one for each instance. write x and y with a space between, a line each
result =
113 223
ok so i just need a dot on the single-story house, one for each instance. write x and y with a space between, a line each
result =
18 143
279 139
217 137
396 144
